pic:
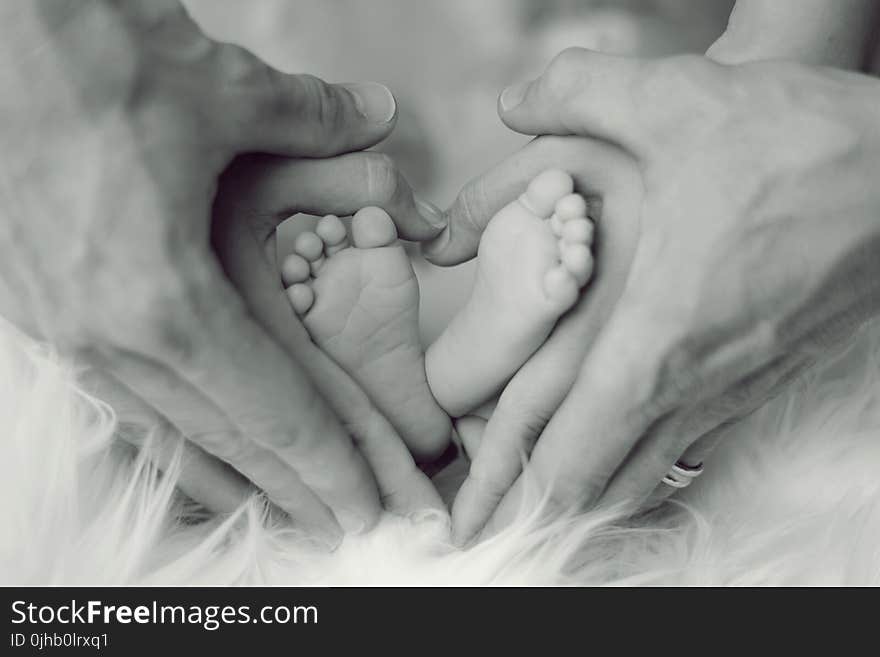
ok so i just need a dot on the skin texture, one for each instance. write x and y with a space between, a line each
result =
521 288
825 32
754 236
362 311
107 219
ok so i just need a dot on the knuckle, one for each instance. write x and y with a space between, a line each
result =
473 209
676 376
567 493
663 370
567 63
240 71
487 477
261 91
244 84
563 75
682 85
523 421
318 102
381 176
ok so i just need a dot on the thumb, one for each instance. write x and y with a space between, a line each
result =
580 93
597 169
298 115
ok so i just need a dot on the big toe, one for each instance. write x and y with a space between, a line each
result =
372 228
546 189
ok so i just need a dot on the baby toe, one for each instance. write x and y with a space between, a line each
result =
578 231
545 190
294 269
561 288
332 231
309 246
571 206
372 228
578 260
301 297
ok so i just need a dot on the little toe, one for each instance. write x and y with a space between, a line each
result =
571 206
301 297
332 231
294 269
561 288
578 231
545 190
372 228
578 260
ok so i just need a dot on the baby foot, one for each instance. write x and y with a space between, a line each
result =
360 305
534 258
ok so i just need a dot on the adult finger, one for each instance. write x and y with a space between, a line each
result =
402 486
536 391
694 430
201 330
611 404
581 93
207 425
339 185
598 422
595 166
254 106
589 434
697 454
268 111
204 478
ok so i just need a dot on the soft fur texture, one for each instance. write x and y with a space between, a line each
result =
791 497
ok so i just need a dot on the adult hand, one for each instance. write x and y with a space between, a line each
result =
610 180
831 33
758 235
118 120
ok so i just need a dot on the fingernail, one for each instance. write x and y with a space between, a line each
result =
431 213
374 101
427 515
514 95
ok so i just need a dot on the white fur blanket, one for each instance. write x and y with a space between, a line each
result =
791 497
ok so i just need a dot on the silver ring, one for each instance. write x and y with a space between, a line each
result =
681 475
